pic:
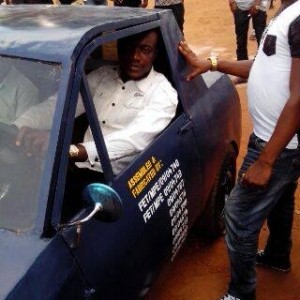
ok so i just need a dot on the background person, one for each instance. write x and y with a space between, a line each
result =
243 11
17 92
272 161
131 3
177 7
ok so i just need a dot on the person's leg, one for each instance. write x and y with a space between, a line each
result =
178 11
259 24
280 221
130 3
241 22
245 212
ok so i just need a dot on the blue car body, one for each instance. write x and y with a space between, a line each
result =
163 191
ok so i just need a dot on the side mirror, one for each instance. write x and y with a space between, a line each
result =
105 202
110 202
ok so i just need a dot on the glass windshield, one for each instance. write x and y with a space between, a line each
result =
28 92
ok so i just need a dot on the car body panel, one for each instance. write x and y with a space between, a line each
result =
163 190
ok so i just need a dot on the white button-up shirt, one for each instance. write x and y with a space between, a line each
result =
17 94
131 114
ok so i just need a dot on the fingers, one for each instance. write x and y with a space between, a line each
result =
192 75
34 142
192 60
186 50
258 181
20 136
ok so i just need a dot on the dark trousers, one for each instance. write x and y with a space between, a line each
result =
246 210
178 11
241 22
131 3
280 223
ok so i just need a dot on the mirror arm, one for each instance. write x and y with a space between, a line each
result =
98 207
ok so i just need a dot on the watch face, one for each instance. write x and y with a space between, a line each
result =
73 152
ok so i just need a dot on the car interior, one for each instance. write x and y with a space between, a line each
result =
103 55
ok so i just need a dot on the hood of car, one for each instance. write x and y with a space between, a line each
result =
17 252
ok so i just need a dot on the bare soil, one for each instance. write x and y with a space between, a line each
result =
201 270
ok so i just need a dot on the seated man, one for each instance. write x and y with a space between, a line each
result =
134 103
17 93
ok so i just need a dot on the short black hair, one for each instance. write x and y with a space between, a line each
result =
129 40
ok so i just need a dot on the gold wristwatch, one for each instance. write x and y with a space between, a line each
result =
214 63
73 151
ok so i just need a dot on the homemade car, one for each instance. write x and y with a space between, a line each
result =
125 228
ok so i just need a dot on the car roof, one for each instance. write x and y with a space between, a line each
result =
52 32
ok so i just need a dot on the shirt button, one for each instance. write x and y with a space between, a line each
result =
113 104
123 87
103 122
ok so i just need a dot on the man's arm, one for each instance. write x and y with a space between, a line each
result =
144 3
287 126
199 65
133 138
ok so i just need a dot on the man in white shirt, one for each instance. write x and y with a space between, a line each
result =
17 93
271 167
134 103
243 11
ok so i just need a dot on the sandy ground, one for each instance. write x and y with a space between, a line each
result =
201 270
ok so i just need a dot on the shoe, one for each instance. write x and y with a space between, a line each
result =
282 264
229 297
239 80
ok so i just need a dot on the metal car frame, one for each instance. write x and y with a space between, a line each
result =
116 260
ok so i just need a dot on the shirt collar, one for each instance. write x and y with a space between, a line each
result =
143 84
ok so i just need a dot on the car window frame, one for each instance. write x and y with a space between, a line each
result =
86 95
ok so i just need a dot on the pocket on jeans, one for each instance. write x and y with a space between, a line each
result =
269 46
296 162
260 145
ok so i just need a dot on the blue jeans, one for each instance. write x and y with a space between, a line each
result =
246 211
241 22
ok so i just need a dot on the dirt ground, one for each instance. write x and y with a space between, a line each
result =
201 270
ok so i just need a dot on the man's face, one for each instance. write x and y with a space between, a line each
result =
136 56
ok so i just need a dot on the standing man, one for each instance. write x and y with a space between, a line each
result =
243 11
177 8
272 162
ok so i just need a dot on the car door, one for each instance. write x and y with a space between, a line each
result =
159 190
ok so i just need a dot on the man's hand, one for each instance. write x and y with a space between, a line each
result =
254 9
257 175
198 65
233 6
144 3
34 141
